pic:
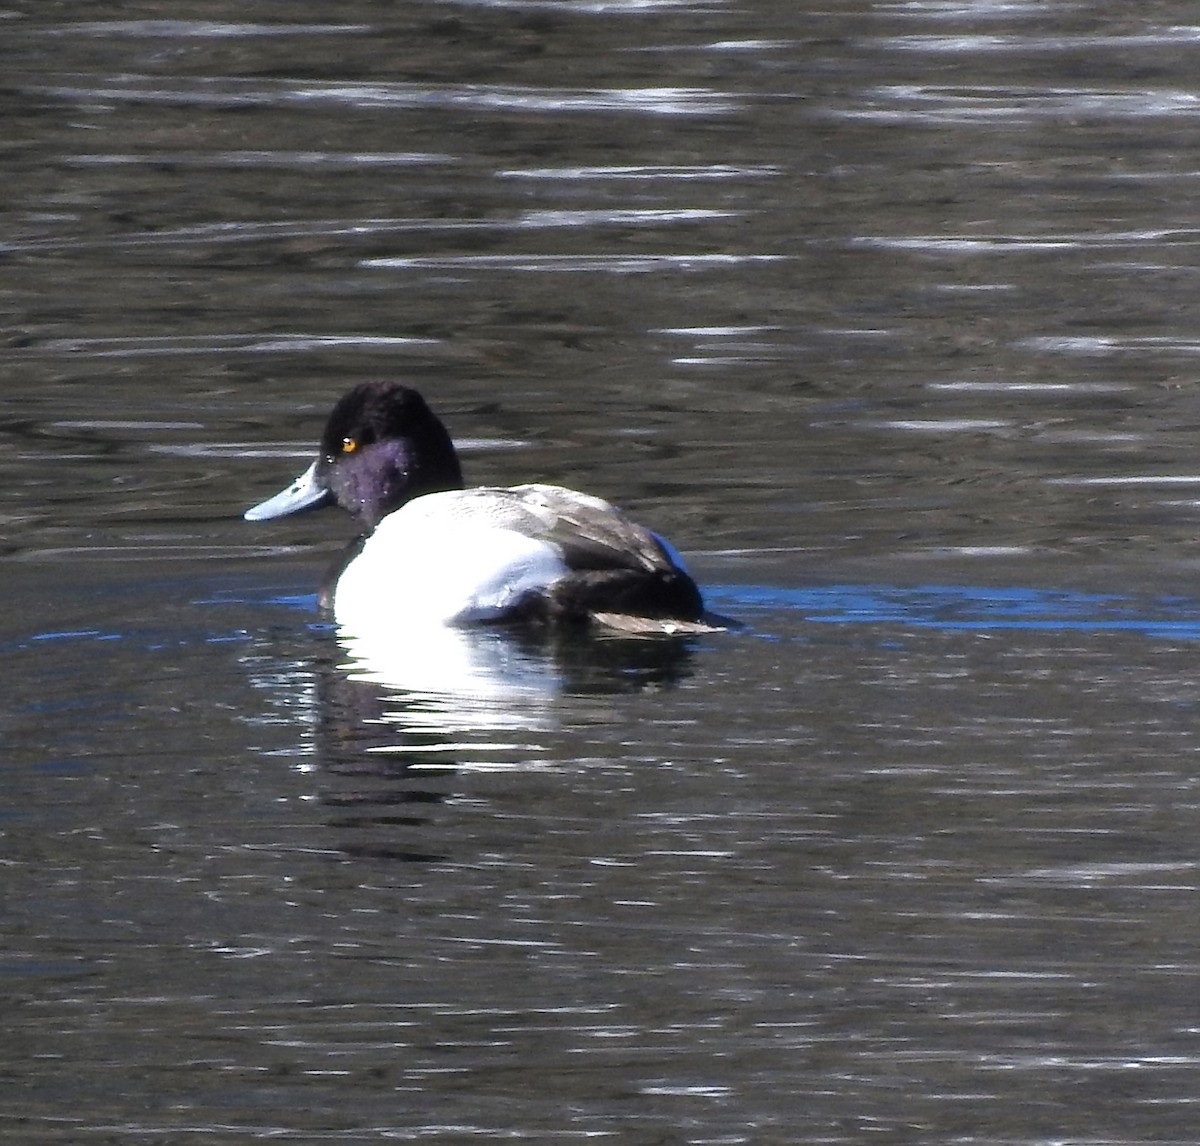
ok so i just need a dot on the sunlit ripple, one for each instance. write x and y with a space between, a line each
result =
931 103
1052 388
230 450
260 449
939 425
1152 37
613 264
197 29
1099 346
594 7
229 92
620 216
972 10
725 345
255 159
1127 480
715 331
748 45
211 234
1142 876
156 552
151 346
1054 241
121 424
748 355
649 171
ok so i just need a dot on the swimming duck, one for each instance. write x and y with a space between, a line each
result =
432 552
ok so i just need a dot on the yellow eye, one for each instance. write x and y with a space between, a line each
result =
349 445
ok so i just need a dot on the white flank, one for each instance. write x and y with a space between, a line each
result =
418 570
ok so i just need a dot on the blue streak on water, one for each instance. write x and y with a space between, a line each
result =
302 602
73 635
969 607
947 607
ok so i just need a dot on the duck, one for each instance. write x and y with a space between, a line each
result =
432 551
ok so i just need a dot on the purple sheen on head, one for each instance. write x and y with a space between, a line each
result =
372 482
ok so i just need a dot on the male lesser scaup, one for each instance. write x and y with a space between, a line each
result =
434 552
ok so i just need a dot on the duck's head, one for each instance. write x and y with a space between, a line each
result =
381 447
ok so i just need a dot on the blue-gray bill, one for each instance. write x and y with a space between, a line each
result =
306 492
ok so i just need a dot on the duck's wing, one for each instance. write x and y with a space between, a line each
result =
593 533
589 532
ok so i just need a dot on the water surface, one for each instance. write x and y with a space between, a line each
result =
881 311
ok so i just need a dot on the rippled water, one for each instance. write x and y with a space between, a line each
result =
883 312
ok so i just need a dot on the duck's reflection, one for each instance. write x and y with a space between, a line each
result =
442 695
450 680
396 725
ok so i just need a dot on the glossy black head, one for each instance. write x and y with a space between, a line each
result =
382 446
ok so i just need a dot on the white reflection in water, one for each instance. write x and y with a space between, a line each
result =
455 679
436 702
435 697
